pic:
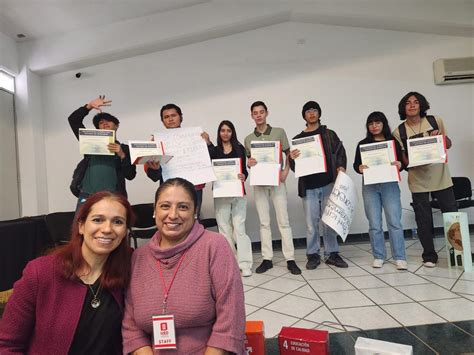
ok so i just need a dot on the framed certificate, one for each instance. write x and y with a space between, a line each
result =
142 152
427 150
378 157
228 183
312 159
268 168
95 141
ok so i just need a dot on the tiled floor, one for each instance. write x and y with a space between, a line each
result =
361 298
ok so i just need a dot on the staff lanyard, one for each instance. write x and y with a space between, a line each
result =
167 289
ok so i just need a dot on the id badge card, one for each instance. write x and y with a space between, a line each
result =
164 336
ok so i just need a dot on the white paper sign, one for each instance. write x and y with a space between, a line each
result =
378 157
312 159
228 183
95 141
145 151
264 174
340 207
191 159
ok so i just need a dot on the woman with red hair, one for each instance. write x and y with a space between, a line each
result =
71 301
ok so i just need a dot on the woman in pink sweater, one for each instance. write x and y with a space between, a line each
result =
188 274
71 301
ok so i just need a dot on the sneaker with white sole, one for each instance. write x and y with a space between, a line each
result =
401 264
246 272
378 263
429 264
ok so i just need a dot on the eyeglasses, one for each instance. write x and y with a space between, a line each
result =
312 110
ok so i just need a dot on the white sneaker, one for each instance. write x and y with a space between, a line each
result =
401 264
246 272
378 263
429 264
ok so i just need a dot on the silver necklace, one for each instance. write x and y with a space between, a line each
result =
95 303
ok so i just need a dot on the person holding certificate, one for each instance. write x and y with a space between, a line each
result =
232 211
384 195
315 189
264 132
72 300
425 179
100 172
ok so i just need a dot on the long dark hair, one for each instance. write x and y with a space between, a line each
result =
378 116
233 139
424 104
116 271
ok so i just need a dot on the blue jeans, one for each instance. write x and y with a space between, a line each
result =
386 195
313 204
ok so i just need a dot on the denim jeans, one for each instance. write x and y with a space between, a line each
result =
313 205
230 216
386 196
277 194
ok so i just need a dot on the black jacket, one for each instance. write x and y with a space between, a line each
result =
124 168
335 158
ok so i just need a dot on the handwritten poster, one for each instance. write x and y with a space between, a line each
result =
191 159
340 207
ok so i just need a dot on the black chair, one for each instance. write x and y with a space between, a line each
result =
145 225
208 222
462 192
59 225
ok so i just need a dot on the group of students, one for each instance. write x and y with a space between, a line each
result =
313 189
94 296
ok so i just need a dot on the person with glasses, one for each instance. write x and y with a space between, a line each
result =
315 189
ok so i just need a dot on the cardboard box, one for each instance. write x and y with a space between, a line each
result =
298 341
367 346
254 337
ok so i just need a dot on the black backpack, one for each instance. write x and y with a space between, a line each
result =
403 131
78 176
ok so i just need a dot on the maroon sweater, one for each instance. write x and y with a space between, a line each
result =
43 312
206 298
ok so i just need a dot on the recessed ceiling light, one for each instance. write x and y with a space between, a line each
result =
20 36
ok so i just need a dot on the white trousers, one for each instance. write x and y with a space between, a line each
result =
230 216
277 194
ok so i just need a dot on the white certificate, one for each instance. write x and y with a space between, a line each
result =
268 168
312 159
191 159
142 152
228 183
427 150
95 141
378 157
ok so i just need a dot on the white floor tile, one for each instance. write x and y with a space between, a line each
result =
464 286
256 279
328 285
369 281
323 318
465 295
247 287
290 276
294 306
333 328
307 292
260 297
402 279
250 309
325 273
282 285
276 270
412 314
439 272
342 299
371 317
355 253
441 281
385 295
272 321
454 310
468 276
362 260
427 292
351 271
387 268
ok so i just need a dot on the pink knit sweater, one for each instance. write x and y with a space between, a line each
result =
206 298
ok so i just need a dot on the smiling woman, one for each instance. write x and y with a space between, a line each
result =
71 301
186 260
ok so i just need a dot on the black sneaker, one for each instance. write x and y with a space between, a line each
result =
313 261
264 266
294 269
336 260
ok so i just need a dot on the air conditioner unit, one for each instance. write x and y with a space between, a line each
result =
453 71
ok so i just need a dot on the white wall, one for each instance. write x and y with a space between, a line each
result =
8 54
349 71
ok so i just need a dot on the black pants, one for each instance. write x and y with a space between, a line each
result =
424 217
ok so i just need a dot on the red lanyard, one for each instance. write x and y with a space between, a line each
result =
167 289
